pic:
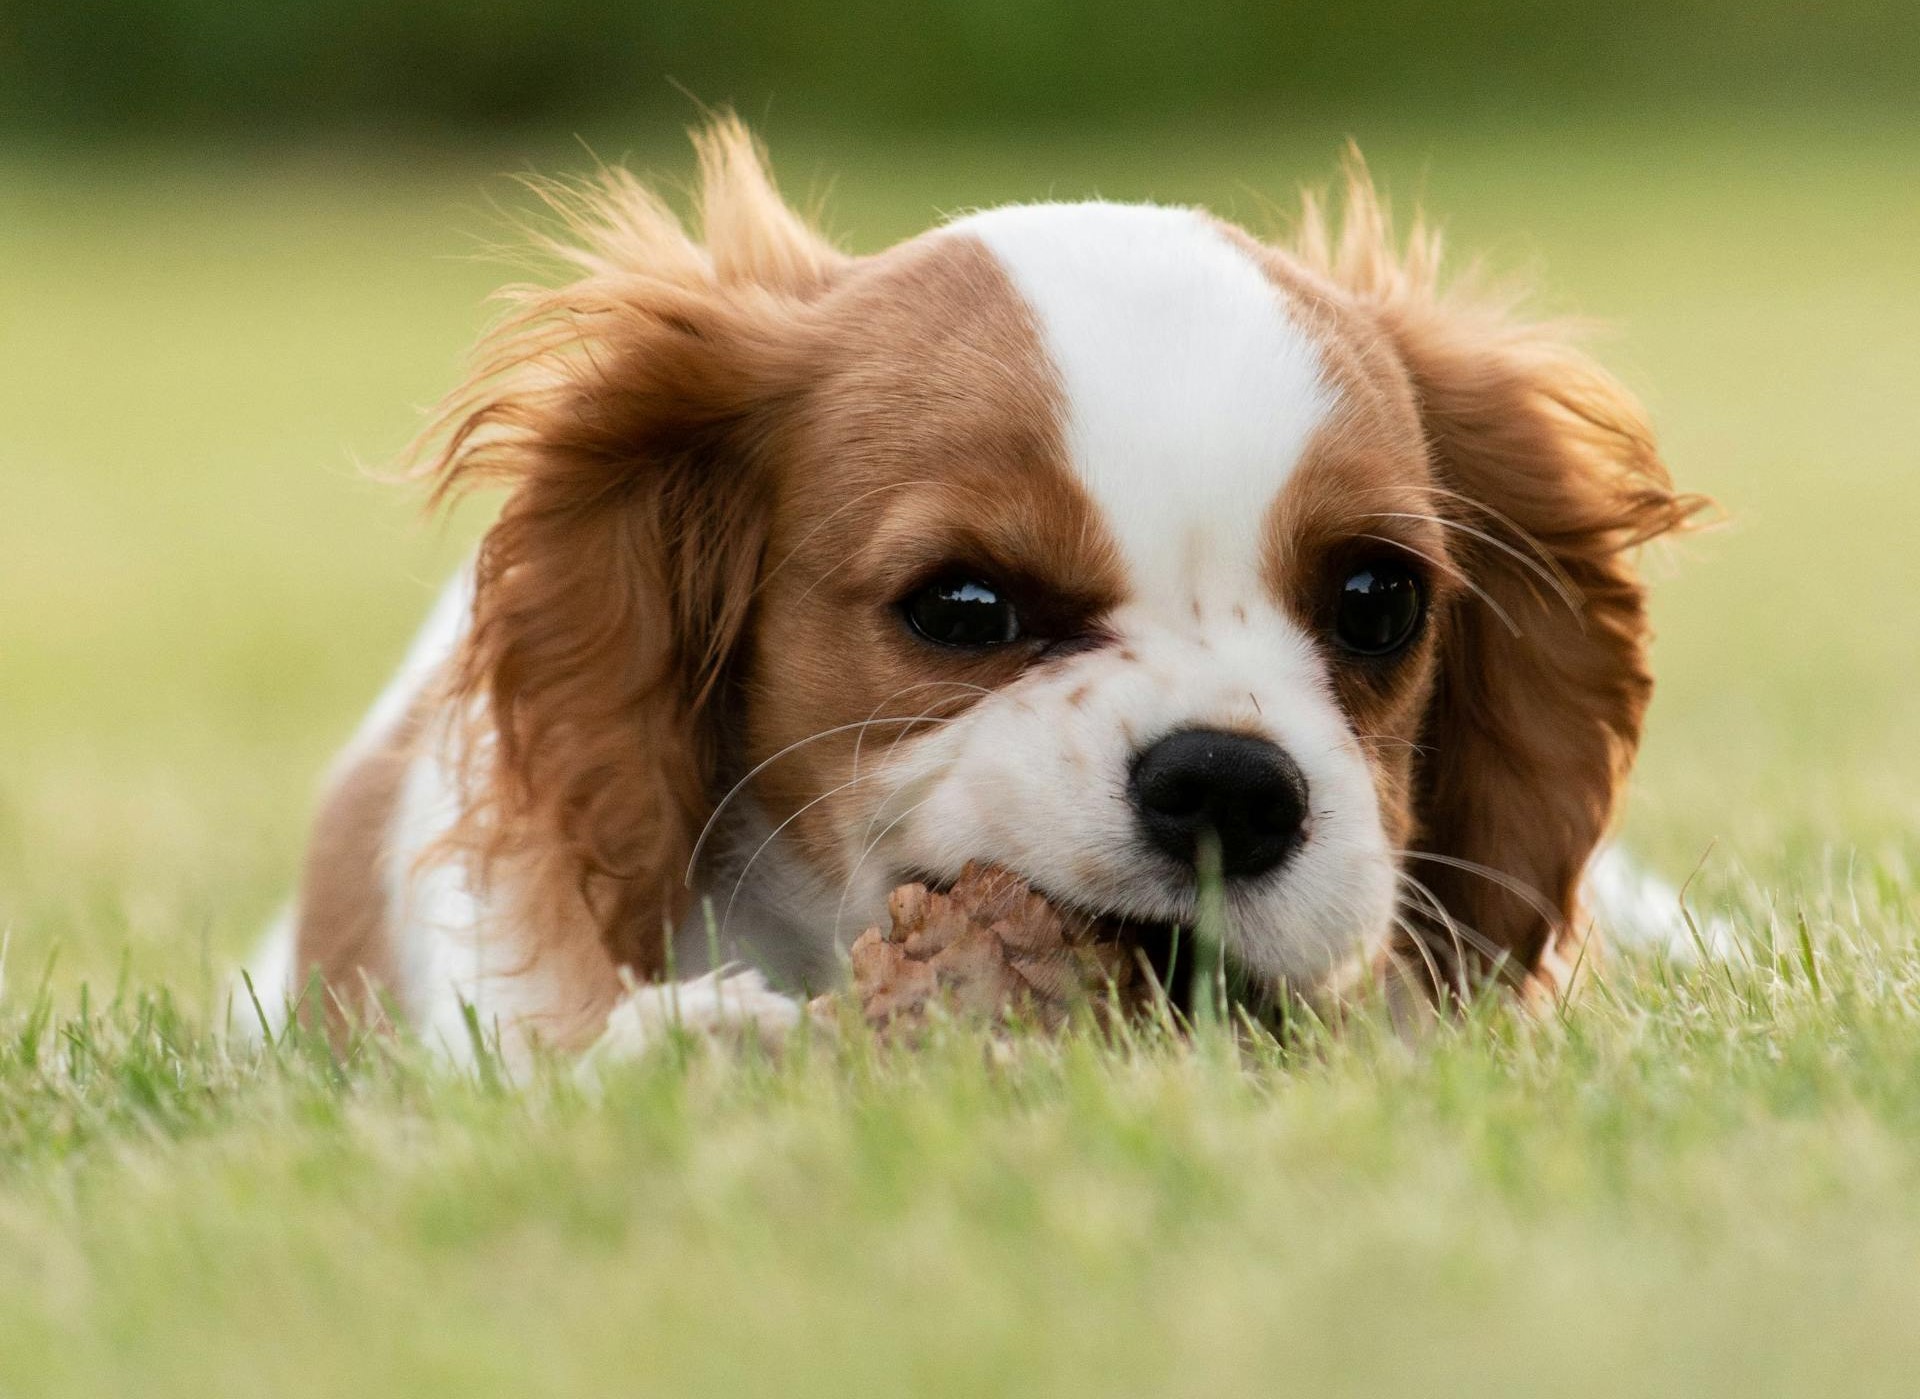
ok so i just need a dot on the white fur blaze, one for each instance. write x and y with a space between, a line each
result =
1190 392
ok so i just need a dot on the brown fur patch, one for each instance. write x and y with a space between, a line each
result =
930 442
342 932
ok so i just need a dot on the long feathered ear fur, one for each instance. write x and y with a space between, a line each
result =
1550 475
624 413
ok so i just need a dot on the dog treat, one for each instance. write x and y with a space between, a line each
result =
990 948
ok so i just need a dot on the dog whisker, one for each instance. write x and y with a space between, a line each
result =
846 886
965 686
1418 943
706 831
841 509
1460 934
740 879
1521 890
1525 536
1458 575
1561 587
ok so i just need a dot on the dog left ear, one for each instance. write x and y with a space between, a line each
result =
1549 469
628 414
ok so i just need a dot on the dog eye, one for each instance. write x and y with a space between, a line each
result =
962 612
1379 610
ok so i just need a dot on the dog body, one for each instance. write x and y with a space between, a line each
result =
1102 542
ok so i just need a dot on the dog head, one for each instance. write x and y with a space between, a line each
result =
1102 542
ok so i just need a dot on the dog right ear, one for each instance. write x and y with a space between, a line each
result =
625 413
1549 469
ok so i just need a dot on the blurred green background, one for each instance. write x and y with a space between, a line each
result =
455 65
241 247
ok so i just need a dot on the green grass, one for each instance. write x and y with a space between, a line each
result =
1696 1181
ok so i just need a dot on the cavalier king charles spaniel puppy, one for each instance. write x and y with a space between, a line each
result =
1072 538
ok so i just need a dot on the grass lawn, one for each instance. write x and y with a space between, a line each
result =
1696 1181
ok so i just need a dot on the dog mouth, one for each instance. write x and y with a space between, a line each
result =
1178 962
1166 951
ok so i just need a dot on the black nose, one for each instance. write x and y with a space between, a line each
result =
1246 790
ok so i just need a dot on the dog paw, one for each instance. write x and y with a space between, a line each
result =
731 1007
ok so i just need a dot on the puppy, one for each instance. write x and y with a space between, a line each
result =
1098 541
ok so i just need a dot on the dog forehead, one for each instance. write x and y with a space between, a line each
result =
1189 392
